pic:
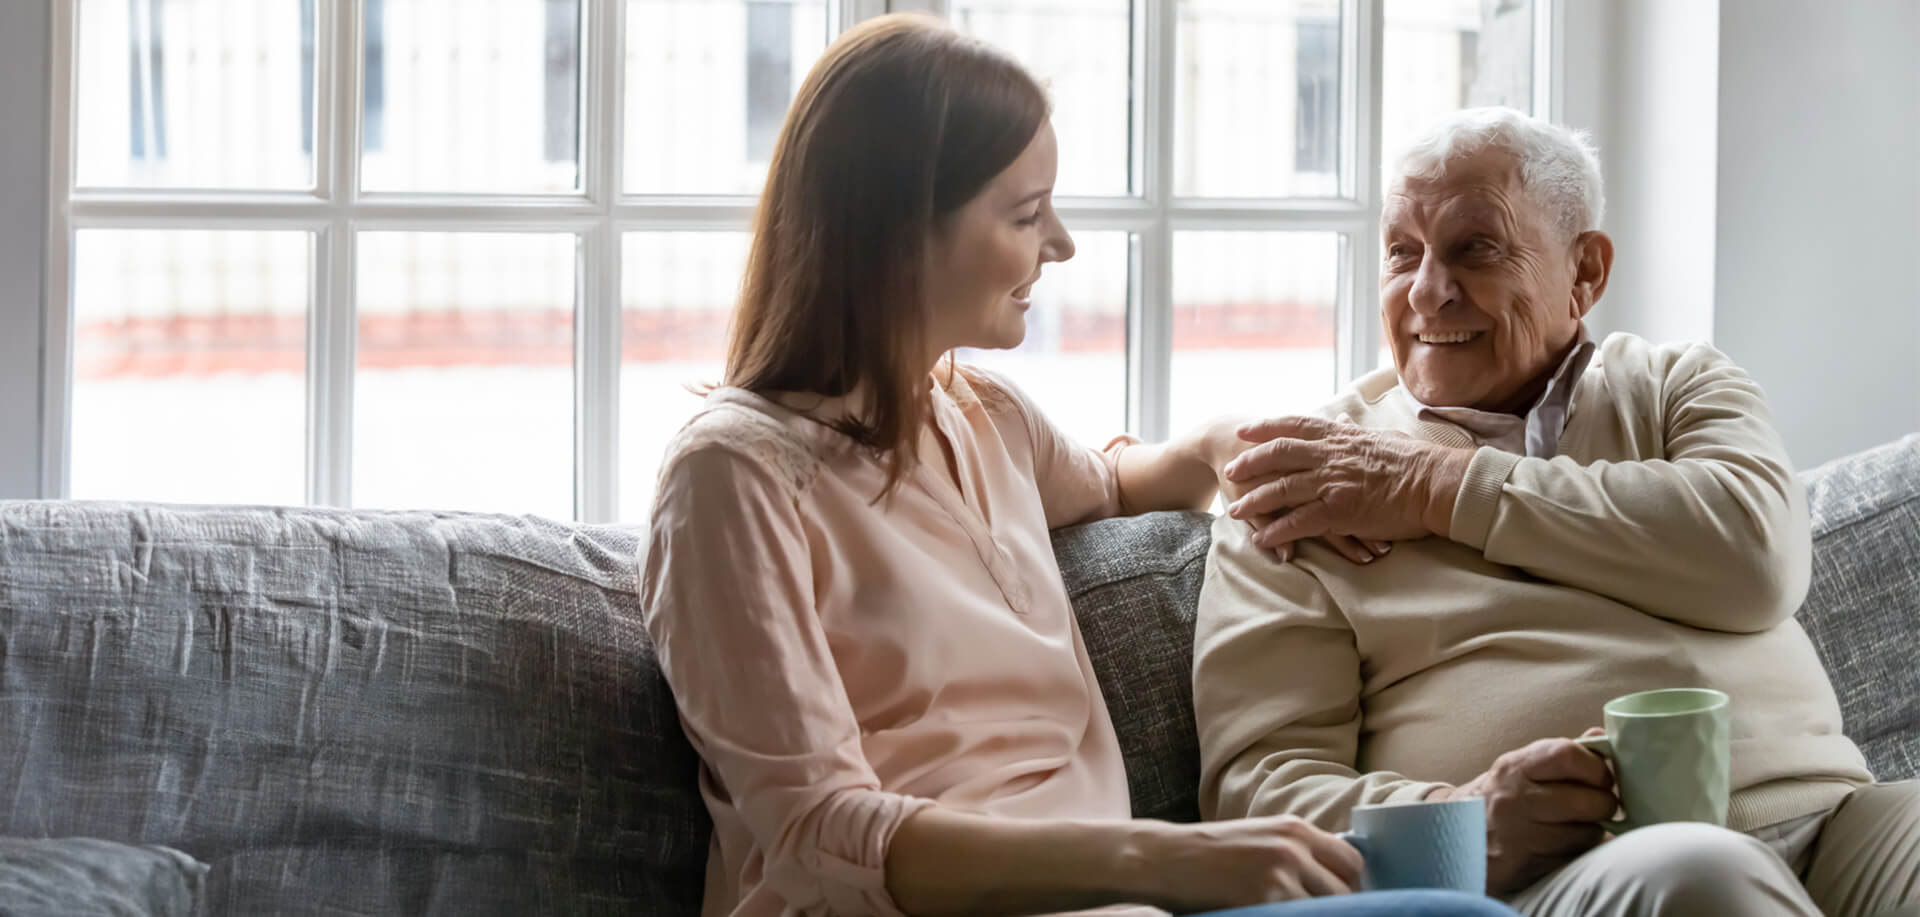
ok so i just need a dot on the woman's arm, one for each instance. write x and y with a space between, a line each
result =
1182 473
944 862
727 594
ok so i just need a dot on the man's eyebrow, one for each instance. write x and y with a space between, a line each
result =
1478 213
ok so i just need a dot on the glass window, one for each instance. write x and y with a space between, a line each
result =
194 94
189 375
1438 56
708 84
1257 98
1074 360
678 291
1083 51
463 388
463 100
1253 323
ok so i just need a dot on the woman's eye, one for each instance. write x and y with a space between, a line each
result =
1029 220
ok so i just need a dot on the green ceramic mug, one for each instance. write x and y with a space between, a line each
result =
1669 751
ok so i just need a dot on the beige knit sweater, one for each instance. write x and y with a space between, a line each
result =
1666 545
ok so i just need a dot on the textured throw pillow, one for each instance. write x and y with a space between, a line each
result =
84 877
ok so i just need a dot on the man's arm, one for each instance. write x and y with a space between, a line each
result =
1713 534
1276 693
1704 525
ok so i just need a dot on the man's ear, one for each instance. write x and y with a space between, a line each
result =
1592 265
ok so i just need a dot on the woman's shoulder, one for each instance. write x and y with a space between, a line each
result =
994 392
744 433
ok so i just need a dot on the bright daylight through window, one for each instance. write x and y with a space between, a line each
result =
475 254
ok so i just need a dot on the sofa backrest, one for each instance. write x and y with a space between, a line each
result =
393 713
430 713
1863 609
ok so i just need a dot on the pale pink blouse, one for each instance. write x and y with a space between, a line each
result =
841 664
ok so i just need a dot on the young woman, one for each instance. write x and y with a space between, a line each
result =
849 579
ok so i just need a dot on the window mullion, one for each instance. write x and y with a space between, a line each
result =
1359 334
56 389
1150 338
597 325
330 345
1549 96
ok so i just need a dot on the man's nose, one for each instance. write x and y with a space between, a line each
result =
1434 288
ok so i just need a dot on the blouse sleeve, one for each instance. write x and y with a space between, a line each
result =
1077 483
727 593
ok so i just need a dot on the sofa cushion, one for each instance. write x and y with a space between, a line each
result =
87 877
1134 583
1863 608
347 712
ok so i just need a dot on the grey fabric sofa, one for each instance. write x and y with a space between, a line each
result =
431 713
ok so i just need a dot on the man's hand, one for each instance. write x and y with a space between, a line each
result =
1221 443
1545 803
1309 477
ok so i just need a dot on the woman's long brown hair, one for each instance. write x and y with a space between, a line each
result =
900 123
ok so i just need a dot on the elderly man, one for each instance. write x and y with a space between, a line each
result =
1569 523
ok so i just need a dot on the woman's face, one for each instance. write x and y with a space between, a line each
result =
986 256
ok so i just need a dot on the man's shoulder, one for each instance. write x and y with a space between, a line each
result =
1370 401
1630 353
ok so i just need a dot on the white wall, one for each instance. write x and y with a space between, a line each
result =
1763 168
24 38
1643 80
1668 83
1819 215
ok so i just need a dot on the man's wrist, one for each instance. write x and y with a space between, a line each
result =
1443 473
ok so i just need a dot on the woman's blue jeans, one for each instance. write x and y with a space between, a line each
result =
1379 904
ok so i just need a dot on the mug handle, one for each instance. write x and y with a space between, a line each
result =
1601 746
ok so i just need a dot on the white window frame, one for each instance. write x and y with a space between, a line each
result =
337 209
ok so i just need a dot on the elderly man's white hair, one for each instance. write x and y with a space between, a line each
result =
1558 165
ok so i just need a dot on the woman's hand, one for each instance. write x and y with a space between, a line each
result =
1220 443
1218 865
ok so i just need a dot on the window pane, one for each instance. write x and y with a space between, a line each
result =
189 378
195 93
1257 98
471 97
1441 55
1083 50
708 84
678 291
1253 323
463 390
1074 360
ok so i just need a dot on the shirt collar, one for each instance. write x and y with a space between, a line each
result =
1535 434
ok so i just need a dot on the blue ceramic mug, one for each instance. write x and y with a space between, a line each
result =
1423 845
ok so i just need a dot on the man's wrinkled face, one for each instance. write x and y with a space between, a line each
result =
1480 292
